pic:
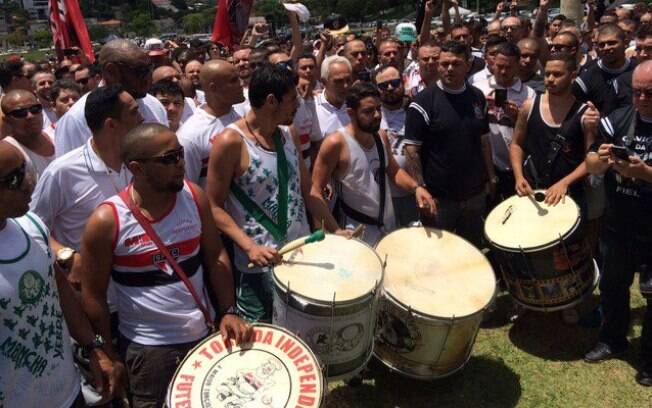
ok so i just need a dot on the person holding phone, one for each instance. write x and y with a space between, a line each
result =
505 94
624 155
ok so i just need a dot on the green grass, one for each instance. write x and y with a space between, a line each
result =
535 362
31 55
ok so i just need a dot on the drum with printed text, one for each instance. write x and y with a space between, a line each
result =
327 293
275 370
544 256
436 289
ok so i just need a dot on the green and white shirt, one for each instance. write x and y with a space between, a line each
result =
36 365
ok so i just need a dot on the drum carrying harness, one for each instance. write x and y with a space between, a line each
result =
544 179
357 215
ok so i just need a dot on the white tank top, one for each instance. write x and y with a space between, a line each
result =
360 190
36 365
260 183
154 305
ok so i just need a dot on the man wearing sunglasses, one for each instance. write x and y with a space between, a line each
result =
35 296
223 89
595 83
160 318
88 77
623 84
626 240
24 115
122 62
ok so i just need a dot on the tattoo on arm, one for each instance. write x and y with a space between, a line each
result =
414 163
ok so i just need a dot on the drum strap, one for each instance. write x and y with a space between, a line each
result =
557 142
149 230
364 218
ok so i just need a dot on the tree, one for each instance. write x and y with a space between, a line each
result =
42 38
142 24
193 23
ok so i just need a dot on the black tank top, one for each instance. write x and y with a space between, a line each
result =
540 135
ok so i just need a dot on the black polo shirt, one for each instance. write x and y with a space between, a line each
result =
448 126
629 201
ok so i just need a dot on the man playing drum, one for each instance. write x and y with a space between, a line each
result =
359 159
625 158
258 184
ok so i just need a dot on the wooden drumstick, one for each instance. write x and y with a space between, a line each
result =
316 236
357 232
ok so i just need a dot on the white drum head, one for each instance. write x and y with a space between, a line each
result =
523 223
269 372
436 273
347 268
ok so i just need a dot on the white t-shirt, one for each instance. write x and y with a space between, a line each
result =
200 96
196 136
243 107
49 117
330 118
72 130
480 77
36 365
34 162
71 188
189 109
306 125
501 127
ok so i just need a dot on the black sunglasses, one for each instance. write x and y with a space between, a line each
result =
21 113
15 178
83 81
140 71
395 83
289 65
166 159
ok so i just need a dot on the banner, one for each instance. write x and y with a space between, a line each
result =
68 28
231 21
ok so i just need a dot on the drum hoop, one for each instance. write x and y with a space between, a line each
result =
427 316
537 248
353 301
322 378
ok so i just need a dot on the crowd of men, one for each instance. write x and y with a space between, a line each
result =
137 192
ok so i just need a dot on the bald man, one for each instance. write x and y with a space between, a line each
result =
191 71
221 82
124 63
30 284
624 156
24 114
170 73
528 64
160 318
512 29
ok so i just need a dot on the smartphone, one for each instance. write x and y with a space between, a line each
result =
500 97
620 152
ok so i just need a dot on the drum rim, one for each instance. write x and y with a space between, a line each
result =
373 290
322 378
541 247
407 307
423 377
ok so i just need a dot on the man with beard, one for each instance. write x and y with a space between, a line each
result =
426 75
223 90
24 115
595 82
361 163
124 63
241 62
448 148
42 83
162 316
191 71
392 128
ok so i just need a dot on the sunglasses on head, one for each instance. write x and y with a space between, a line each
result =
395 83
21 113
167 159
15 178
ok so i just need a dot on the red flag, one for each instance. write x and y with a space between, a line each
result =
69 28
231 21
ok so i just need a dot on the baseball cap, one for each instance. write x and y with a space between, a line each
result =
336 24
406 32
154 47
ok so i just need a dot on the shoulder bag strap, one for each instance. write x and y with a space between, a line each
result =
381 178
147 226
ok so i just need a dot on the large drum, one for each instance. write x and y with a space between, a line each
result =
545 260
436 288
276 370
327 293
